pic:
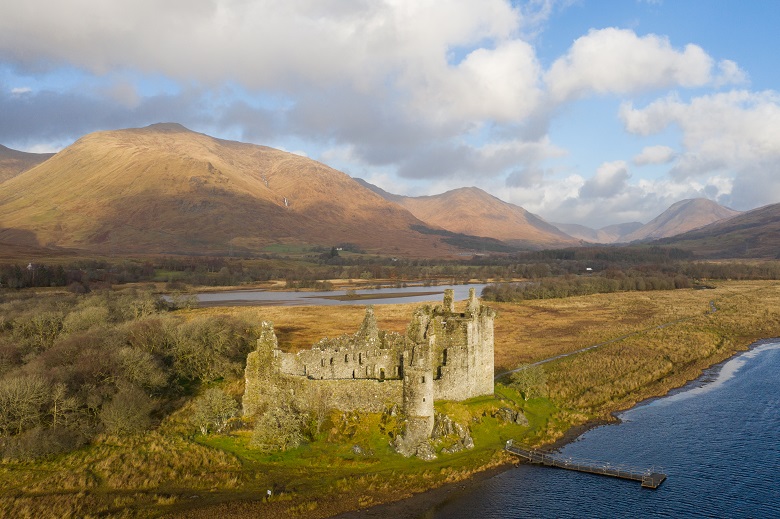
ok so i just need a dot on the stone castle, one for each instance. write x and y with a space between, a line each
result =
444 355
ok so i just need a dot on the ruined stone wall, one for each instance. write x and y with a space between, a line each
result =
444 355
344 363
372 396
463 352
483 364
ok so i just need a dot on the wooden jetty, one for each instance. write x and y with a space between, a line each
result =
649 478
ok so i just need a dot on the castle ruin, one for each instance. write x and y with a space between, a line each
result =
444 355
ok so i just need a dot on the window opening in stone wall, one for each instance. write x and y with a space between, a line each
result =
360 358
331 361
444 357
353 373
346 358
382 374
422 379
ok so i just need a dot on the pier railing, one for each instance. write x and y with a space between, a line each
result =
650 478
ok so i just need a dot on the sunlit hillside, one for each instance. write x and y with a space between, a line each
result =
164 188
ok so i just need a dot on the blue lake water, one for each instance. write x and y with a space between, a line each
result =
403 295
718 440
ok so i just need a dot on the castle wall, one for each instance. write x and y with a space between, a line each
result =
344 363
444 355
370 396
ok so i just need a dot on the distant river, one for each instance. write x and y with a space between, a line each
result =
718 440
384 296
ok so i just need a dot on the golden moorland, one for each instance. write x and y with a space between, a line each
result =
652 342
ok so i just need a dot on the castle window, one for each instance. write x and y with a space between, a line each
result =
331 361
423 399
422 379
346 358
382 374
444 357
360 358
353 373
322 361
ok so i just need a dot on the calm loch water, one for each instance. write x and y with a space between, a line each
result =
718 440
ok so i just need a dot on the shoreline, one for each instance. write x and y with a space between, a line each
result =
415 506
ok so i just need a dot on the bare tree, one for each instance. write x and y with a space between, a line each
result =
22 401
213 409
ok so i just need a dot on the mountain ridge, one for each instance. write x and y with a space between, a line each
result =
472 211
164 188
13 162
751 234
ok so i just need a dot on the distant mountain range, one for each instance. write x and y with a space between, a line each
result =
13 162
752 234
681 217
608 234
166 189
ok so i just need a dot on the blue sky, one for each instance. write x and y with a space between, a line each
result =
591 112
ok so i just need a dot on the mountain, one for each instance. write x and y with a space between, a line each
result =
608 234
752 234
681 217
166 189
13 162
472 211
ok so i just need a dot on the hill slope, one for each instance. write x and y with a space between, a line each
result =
752 234
472 211
608 234
681 217
13 162
164 188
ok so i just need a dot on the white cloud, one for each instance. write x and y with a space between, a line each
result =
654 155
19 91
500 84
729 73
609 180
735 133
725 130
618 61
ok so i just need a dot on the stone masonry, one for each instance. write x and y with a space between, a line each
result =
443 355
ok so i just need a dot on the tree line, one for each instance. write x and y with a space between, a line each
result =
570 285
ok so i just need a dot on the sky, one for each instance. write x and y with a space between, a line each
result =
594 112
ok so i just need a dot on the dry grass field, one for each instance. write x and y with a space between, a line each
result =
173 471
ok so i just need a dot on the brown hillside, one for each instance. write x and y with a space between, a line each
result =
681 217
752 234
13 162
608 234
164 188
473 211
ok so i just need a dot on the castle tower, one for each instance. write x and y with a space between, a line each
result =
262 365
473 305
418 394
448 305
